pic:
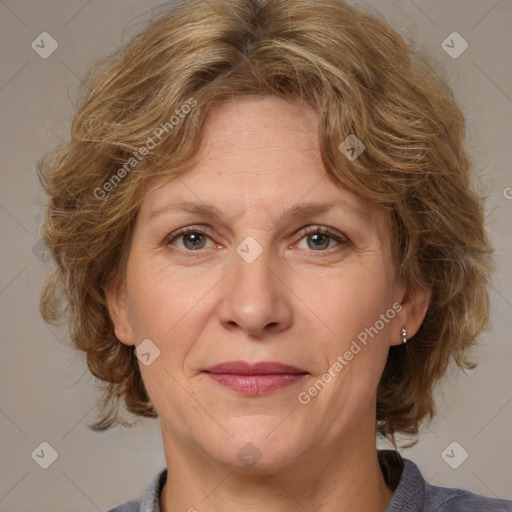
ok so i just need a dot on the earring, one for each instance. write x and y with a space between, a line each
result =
404 335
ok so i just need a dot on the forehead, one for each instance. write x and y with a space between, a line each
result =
258 138
259 117
256 153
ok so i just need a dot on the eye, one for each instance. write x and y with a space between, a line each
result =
190 239
321 239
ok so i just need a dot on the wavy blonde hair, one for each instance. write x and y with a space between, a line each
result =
363 79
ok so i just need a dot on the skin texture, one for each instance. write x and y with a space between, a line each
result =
295 304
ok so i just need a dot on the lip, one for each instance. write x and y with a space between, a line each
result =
254 379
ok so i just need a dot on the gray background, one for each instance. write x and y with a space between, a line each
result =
39 400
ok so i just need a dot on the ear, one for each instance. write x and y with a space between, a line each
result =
118 311
413 307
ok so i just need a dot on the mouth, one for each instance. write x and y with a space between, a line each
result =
255 379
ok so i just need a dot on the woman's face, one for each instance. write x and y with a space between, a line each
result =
256 255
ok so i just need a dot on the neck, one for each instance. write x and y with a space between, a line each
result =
341 476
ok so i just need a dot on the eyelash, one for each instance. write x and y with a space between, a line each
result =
341 239
185 231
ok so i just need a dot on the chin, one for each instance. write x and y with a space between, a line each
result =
257 446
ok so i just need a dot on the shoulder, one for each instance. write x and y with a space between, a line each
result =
129 506
414 494
443 499
150 501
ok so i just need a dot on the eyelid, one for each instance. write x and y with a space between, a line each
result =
339 237
324 230
200 229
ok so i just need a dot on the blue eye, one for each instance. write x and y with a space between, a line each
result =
320 239
190 239
314 238
194 241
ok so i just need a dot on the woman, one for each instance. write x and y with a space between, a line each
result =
265 234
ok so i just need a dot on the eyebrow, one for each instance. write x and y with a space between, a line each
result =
298 211
205 209
310 209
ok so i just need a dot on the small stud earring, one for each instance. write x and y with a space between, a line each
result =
404 335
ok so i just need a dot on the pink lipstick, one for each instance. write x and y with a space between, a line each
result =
255 379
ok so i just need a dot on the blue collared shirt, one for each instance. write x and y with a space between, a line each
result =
413 494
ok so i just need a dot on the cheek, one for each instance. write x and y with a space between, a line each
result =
351 301
357 347
352 307
165 307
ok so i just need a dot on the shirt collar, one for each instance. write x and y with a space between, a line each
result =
409 495
150 501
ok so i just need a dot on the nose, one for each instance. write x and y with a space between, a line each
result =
255 298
